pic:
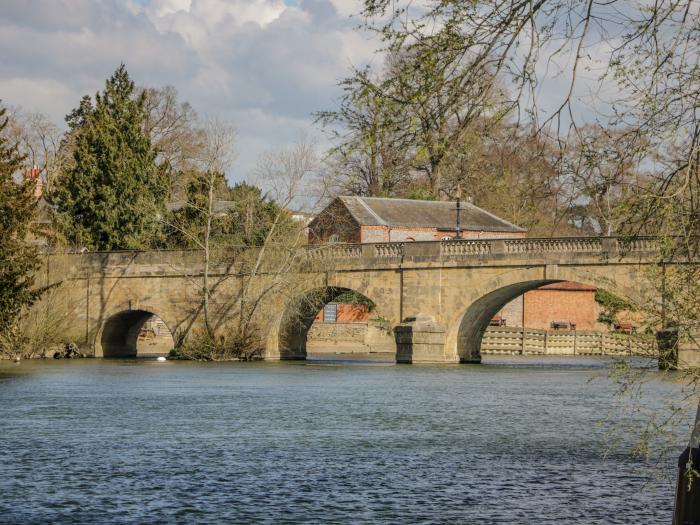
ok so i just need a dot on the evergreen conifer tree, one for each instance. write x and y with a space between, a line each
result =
18 260
111 195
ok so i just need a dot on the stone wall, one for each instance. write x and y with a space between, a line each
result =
350 338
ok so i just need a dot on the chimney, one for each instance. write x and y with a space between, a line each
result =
32 175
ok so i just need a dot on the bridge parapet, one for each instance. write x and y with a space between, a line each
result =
562 245
389 249
471 252
479 248
466 247
335 251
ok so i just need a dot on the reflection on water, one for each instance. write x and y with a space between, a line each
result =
327 441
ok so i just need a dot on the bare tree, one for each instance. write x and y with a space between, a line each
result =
176 132
265 272
40 140
287 174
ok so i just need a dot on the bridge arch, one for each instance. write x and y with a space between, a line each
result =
465 332
289 339
121 335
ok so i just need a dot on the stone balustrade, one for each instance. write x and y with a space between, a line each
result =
486 247
473 252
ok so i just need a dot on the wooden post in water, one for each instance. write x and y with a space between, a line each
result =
687 507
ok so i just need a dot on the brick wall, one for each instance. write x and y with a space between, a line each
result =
513 312
543 306
371 234
348 313
469 234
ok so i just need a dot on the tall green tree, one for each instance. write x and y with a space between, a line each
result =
111 195
18 260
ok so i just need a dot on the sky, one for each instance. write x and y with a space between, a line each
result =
265 65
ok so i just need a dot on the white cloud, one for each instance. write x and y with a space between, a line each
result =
262 63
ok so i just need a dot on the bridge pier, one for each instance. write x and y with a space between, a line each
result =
421 339
678 349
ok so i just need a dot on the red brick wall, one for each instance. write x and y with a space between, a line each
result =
349 313
385 234
469 234
576 306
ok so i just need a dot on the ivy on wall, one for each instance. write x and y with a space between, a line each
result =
610 304
352 297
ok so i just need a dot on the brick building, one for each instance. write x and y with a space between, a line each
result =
372 219
565 304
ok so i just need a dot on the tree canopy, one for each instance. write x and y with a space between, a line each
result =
111 194
18 259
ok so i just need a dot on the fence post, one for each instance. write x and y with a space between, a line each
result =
546 342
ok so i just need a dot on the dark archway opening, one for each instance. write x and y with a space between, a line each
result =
561 318
478 316
135 333
340 317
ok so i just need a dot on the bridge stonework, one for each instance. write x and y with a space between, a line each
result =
460 285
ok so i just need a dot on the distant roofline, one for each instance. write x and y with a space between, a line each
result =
469 227
371 211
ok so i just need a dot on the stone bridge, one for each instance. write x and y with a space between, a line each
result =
438 296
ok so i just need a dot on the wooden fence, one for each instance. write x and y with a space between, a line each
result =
531 341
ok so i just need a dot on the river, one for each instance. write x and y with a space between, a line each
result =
515 440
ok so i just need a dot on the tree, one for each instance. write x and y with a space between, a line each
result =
40 140
113 190
18 260
602 166
404 130
247 232
369 156
176 133
642 175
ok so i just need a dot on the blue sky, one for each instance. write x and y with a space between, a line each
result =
265 65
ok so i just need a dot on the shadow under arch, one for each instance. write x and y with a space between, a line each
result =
299 315
119 336
478 315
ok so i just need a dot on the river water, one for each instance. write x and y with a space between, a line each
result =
325 441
